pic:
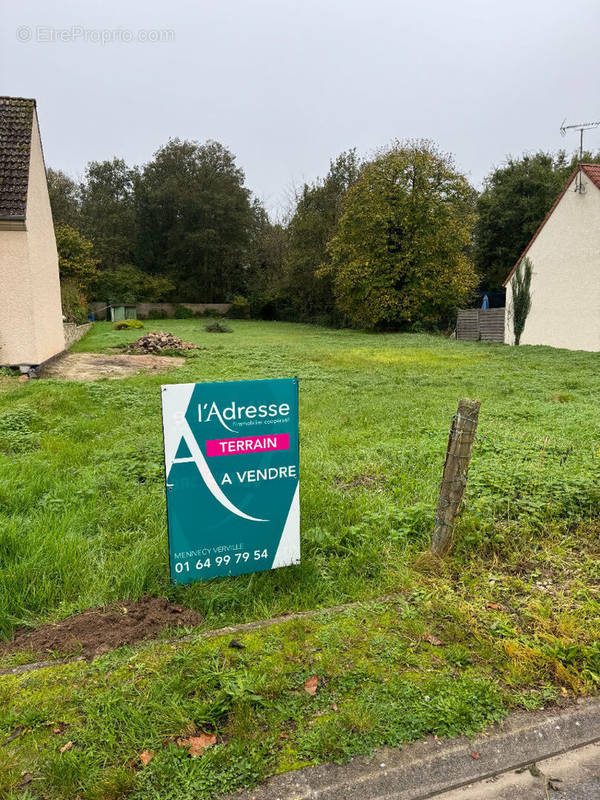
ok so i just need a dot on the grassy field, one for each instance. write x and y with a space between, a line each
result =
515 610
82 514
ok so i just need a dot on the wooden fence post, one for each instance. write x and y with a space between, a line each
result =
454 478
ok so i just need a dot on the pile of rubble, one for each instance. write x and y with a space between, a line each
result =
157 341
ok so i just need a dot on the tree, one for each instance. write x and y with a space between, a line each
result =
308 284
521 297
108 211
399 256
515 200
64 198
195 219
77 263
265 279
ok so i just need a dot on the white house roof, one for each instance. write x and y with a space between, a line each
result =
592 171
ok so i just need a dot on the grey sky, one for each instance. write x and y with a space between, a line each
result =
288 85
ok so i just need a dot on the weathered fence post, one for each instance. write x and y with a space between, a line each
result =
454 478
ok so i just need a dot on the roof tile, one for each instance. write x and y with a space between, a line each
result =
16 116
593 173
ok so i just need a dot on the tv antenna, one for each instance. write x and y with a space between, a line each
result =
581 127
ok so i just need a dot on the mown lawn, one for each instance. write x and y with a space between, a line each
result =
516 608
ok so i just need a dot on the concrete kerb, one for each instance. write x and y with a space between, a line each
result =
428 768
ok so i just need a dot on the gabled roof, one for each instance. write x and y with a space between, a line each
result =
16 117
593 173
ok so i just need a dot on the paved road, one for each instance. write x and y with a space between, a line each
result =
576 776
585 791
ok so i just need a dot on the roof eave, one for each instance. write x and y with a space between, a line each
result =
13 224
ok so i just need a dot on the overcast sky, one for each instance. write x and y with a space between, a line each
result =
289 85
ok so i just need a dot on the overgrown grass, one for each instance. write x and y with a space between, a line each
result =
82 519
510 620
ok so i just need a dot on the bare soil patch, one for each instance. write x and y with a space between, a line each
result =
93 366
98 630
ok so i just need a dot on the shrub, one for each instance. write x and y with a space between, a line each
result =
157 313
128 284
239 308
212 312
198 314
217 327
183 312
128 324
76 262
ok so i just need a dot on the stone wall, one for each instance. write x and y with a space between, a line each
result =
142 309
73 332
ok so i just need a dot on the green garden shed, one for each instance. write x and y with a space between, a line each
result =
117 313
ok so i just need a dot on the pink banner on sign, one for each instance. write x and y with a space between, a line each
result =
247 444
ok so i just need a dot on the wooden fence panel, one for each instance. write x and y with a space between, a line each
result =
467 325
479 324
491 324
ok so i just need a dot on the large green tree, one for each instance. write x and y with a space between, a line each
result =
400 252
515 199
64 198
194 220
108 211
318 206
265 277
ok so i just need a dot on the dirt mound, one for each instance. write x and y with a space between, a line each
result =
157 341
101 629
93 366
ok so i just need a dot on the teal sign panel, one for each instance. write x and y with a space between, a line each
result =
232 477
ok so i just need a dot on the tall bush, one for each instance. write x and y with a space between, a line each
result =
128 284
521 297
77 263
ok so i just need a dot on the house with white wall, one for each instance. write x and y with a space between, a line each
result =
565 256
31 329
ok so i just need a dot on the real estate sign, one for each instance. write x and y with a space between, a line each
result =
231 466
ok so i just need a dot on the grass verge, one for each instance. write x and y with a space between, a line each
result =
461 644
431 661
